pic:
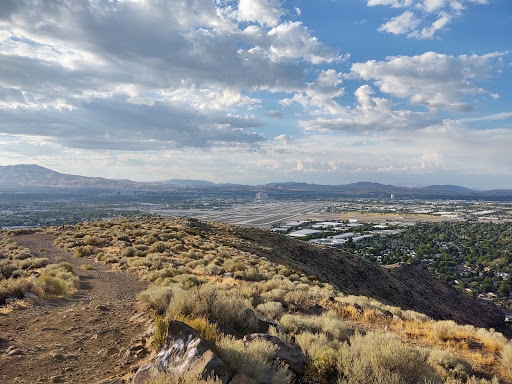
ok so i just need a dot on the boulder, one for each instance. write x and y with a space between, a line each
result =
293 358
184 350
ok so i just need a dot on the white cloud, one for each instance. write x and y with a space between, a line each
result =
423 19
433 80
178 70
405 23
264 12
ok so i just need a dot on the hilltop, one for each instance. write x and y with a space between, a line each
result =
227 281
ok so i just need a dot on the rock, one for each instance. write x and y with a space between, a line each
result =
111 380
30 295
396 317
102 308
291 357
387 314
56 379
184 350
228 274
242 378
11 351
358 308
10 299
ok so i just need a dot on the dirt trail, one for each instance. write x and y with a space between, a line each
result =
93 336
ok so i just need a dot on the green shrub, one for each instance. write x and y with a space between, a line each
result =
271 309
214 304
449 366
254 358
380 358
158 247
14 288
233 265
160 332
323 355
157 297
128 252
57 279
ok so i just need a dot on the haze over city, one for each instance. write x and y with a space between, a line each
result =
404 92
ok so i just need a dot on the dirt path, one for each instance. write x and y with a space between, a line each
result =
93 336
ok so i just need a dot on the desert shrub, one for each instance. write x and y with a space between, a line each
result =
160 332
380 358
297 298
272 309
276 294
323 355
139 262
473 380
189 280
92 240
212 269
128 252
233 265
158 247
206 330
57 279
14 288
83 251
157 297
22 254
506 358
328 323
253 359
449 366
214 304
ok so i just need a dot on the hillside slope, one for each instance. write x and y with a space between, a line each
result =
400 285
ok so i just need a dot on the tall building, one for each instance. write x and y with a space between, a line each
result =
263 196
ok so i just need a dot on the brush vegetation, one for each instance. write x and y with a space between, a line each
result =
347 339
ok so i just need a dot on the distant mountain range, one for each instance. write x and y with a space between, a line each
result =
33 177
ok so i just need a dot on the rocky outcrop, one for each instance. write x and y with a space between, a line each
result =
184 350
283 354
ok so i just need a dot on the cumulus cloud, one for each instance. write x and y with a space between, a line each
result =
432 80
423 19
189 60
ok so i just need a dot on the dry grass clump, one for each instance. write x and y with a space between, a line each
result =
322 351
506 358
380 358
216 305
18 269
271 309
57 280
327 322
448 366
254 358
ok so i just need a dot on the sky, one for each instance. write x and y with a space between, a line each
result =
403 92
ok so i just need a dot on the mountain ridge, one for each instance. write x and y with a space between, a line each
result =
32 176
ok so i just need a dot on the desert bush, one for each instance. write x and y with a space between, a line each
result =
297 298
128 252
379 358
276 294
322 352
92 241
271 309
189 280
83 251
158 247
157 297
233 265
254 358
22 254
216 305
449 366
57 279
206 330
14 288
506 358
328 322
160 332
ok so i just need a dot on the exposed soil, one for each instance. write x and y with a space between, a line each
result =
95 335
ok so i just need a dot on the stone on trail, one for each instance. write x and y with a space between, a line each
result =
184 350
